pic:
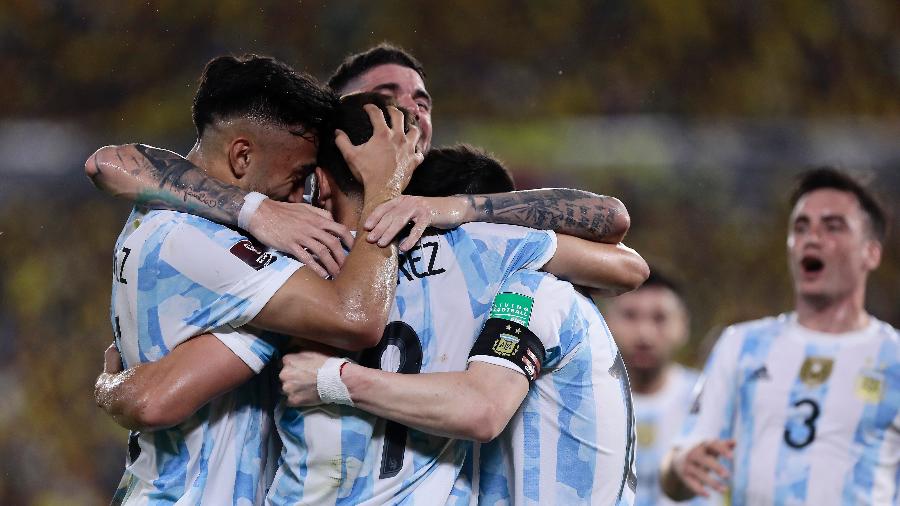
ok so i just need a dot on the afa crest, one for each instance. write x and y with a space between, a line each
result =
816 370
506 345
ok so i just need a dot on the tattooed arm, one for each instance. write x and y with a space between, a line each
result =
161 179
572 212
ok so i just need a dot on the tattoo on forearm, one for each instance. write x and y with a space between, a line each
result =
182 186
572 212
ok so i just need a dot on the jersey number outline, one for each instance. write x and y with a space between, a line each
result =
405 338
809 421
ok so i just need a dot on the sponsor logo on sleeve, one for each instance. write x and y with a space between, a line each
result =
252 254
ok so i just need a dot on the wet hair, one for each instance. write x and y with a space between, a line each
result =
830 178
659 279
459 170
262 88
357 64
352 118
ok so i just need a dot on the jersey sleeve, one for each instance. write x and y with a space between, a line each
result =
225 276
520 247
524 323
256 349
711 414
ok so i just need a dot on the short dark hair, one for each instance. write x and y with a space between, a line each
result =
360 63
459 170
352 119
658 279
828 177
263 88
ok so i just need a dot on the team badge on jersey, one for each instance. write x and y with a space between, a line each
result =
816 370
646 434
869 386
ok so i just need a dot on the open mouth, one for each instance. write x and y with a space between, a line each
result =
812 264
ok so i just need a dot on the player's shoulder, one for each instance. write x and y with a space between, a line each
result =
192 231
756 330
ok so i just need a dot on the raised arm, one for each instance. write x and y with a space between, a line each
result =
161 179
572 212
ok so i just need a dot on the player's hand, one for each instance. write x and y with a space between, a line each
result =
112 361
389 218
387 160
304 231
700 466
298 376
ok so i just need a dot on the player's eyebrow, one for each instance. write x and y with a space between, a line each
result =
394 88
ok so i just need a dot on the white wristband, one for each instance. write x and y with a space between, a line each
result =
332 389
251 204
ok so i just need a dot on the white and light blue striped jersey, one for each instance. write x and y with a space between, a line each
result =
572 439
177 276
658 419
341 455
816 416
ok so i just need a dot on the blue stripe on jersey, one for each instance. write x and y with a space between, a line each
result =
493 486
147 311
205 451
531 423
291 423
171 461
804 404
251 449
577 450
876 417
754 351
356 431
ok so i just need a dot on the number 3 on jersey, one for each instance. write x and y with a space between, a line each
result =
399 351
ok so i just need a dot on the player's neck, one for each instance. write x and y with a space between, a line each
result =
209 164
834 316
650 381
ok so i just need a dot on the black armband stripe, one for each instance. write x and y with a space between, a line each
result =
511 341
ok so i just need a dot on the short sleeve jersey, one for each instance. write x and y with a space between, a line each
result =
572 439
176 276
341 455
816 416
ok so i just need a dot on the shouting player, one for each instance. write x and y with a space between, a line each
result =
804 408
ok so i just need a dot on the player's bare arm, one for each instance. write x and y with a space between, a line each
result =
606 269
475 404
688 472
350 312
573 212
161 179
164 393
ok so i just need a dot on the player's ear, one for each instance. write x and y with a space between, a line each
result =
239 152
326 189
872 254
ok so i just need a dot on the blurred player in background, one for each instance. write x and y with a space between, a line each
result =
650 324
804 408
